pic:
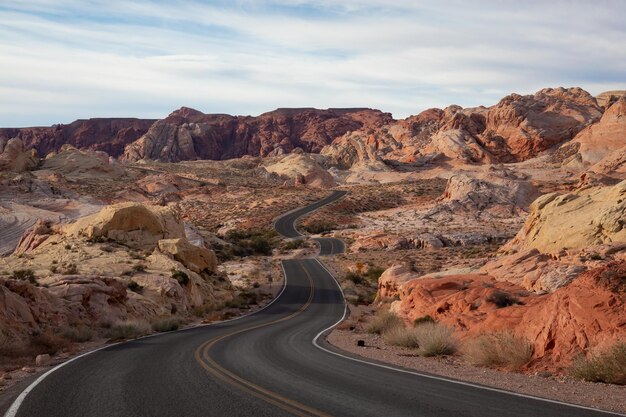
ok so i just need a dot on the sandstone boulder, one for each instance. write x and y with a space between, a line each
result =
134 224
302 169
197 259
583 218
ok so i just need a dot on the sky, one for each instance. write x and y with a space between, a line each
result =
62 60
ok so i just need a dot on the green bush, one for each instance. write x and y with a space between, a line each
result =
608 366
25 275
180 276
373 273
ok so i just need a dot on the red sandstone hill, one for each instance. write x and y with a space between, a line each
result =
102 134
188 134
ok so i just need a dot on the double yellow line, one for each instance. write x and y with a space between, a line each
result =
212 367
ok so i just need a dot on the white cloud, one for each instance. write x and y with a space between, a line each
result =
67 59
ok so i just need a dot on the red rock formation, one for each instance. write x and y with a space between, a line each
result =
589 313
108 135
519 127
188 134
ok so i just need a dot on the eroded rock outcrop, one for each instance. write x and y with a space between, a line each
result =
302 169
14 157
188 134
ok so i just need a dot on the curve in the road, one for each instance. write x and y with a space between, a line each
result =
271 363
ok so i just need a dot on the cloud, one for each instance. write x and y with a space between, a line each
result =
69 59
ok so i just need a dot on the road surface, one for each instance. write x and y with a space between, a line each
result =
271 363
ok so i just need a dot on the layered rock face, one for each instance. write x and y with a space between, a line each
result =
516 129
107 135
602 141
188 134
83 271
519 127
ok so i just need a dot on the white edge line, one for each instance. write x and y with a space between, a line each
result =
437 378
14 408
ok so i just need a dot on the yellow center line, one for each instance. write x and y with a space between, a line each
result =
204 359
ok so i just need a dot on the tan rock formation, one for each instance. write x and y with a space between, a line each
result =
132 223
302 169
196 259
583 218
77 164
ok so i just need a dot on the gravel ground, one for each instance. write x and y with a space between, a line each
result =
597 395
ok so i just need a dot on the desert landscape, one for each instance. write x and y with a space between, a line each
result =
483 237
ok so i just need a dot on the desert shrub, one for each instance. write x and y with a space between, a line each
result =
77 334
139 268
354 277
261 245
70 269
608 366
128 330
166 324
54 269
502 299
315 227
294 244
374 273
423 319
498 349
384 321
135 287
47 343
434 339
25 275
249 297
251 242
180 276
401 336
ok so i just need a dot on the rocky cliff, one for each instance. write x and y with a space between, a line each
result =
188 134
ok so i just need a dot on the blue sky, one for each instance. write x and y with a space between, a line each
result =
66 59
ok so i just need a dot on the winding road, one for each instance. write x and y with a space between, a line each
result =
271 363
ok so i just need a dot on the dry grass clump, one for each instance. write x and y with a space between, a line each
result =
166 325
434 339
498 349
430 339
384 321
401 336
128 330
608 366
79 334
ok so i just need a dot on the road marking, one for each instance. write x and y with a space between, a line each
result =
12 411
437 378
203 357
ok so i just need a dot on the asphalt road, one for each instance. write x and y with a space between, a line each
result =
272 363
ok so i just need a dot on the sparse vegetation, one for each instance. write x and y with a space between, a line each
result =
608 366
250 242
434 339
78 334
25 275
400 336
501 349
47 342
180 276
166 324
128 330
384 321
135 287
423 319
294 244
70 269
139 268
502 299
316 227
